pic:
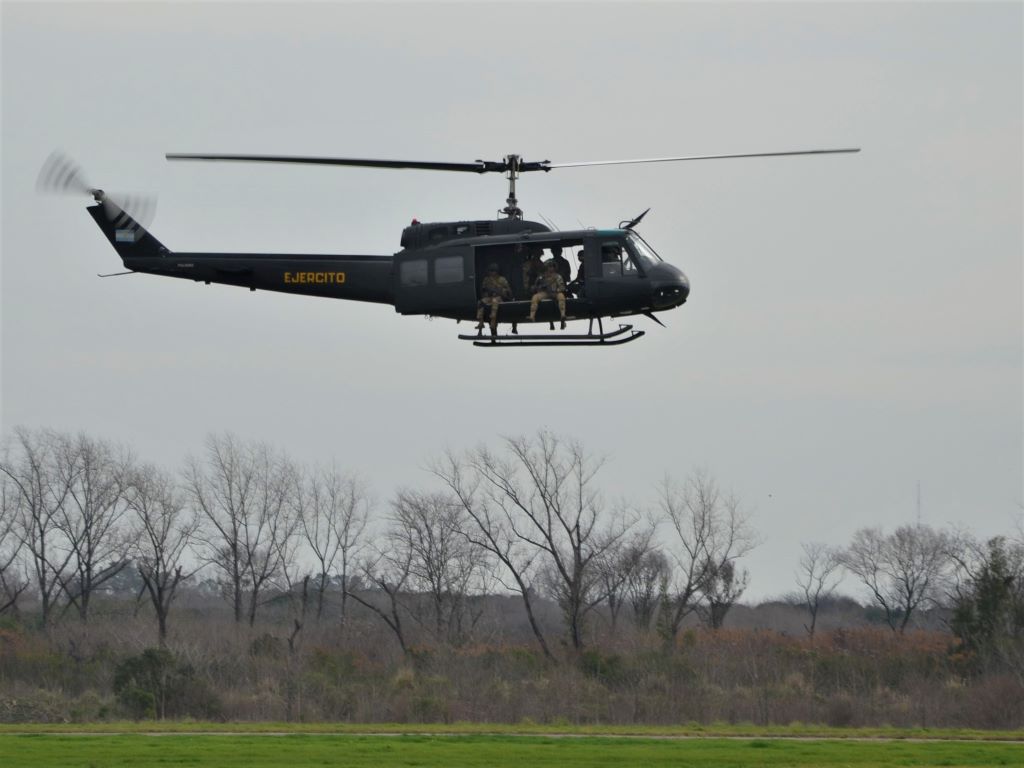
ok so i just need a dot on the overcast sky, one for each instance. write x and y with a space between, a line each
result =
854 327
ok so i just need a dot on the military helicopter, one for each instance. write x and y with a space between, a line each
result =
440 267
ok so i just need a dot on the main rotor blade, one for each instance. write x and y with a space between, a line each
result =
702 157
480 166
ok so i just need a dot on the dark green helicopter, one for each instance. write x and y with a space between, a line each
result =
440 268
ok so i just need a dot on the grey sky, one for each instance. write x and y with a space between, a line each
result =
855 322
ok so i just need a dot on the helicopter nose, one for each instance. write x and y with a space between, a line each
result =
671 287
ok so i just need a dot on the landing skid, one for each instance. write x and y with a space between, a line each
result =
623 335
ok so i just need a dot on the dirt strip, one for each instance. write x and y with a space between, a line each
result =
454 734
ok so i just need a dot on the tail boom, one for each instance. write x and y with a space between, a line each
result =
359 278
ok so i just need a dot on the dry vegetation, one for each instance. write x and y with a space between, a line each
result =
249 588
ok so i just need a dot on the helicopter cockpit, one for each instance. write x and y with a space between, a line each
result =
629 256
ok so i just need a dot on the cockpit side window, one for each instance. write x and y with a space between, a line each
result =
616 261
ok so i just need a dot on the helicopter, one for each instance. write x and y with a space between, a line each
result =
440 267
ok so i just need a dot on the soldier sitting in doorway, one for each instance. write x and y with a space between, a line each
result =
549 286
493 290
532 266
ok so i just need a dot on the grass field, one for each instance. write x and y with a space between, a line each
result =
94 750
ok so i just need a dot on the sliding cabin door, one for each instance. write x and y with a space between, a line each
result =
438 281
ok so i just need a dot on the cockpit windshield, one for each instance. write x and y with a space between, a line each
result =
642 251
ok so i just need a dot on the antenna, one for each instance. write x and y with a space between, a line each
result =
547 221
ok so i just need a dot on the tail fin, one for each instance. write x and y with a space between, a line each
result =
130 239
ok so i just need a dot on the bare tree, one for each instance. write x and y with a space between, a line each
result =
536 509
622 570
428 531
291 575
12 581
903 570
242 492
334 512
712 533
96 474
818 575
492 531
37 498
388 572
163 530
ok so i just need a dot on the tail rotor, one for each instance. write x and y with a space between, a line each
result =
60 175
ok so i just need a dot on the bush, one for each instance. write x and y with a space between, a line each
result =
153 685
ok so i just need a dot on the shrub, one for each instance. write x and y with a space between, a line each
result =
154 685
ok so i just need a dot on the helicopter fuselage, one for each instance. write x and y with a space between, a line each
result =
438 271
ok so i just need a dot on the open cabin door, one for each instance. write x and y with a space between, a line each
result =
437 281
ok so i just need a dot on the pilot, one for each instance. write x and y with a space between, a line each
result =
549 286
532 266
493 290
561 264
611 253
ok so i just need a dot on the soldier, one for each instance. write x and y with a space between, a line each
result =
493 290
549 286
561 264
532 267
577 286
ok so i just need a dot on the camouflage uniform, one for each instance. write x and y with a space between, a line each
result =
550 285
493 291
532 270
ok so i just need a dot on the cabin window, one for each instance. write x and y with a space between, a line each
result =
449 269
413 272
437 234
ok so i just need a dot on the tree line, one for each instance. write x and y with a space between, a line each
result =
526 518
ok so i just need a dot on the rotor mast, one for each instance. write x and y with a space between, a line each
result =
512 209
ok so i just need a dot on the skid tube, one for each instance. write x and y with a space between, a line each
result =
623 335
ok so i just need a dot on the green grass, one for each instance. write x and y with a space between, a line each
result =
301 750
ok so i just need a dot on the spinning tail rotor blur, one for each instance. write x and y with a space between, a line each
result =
60 175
